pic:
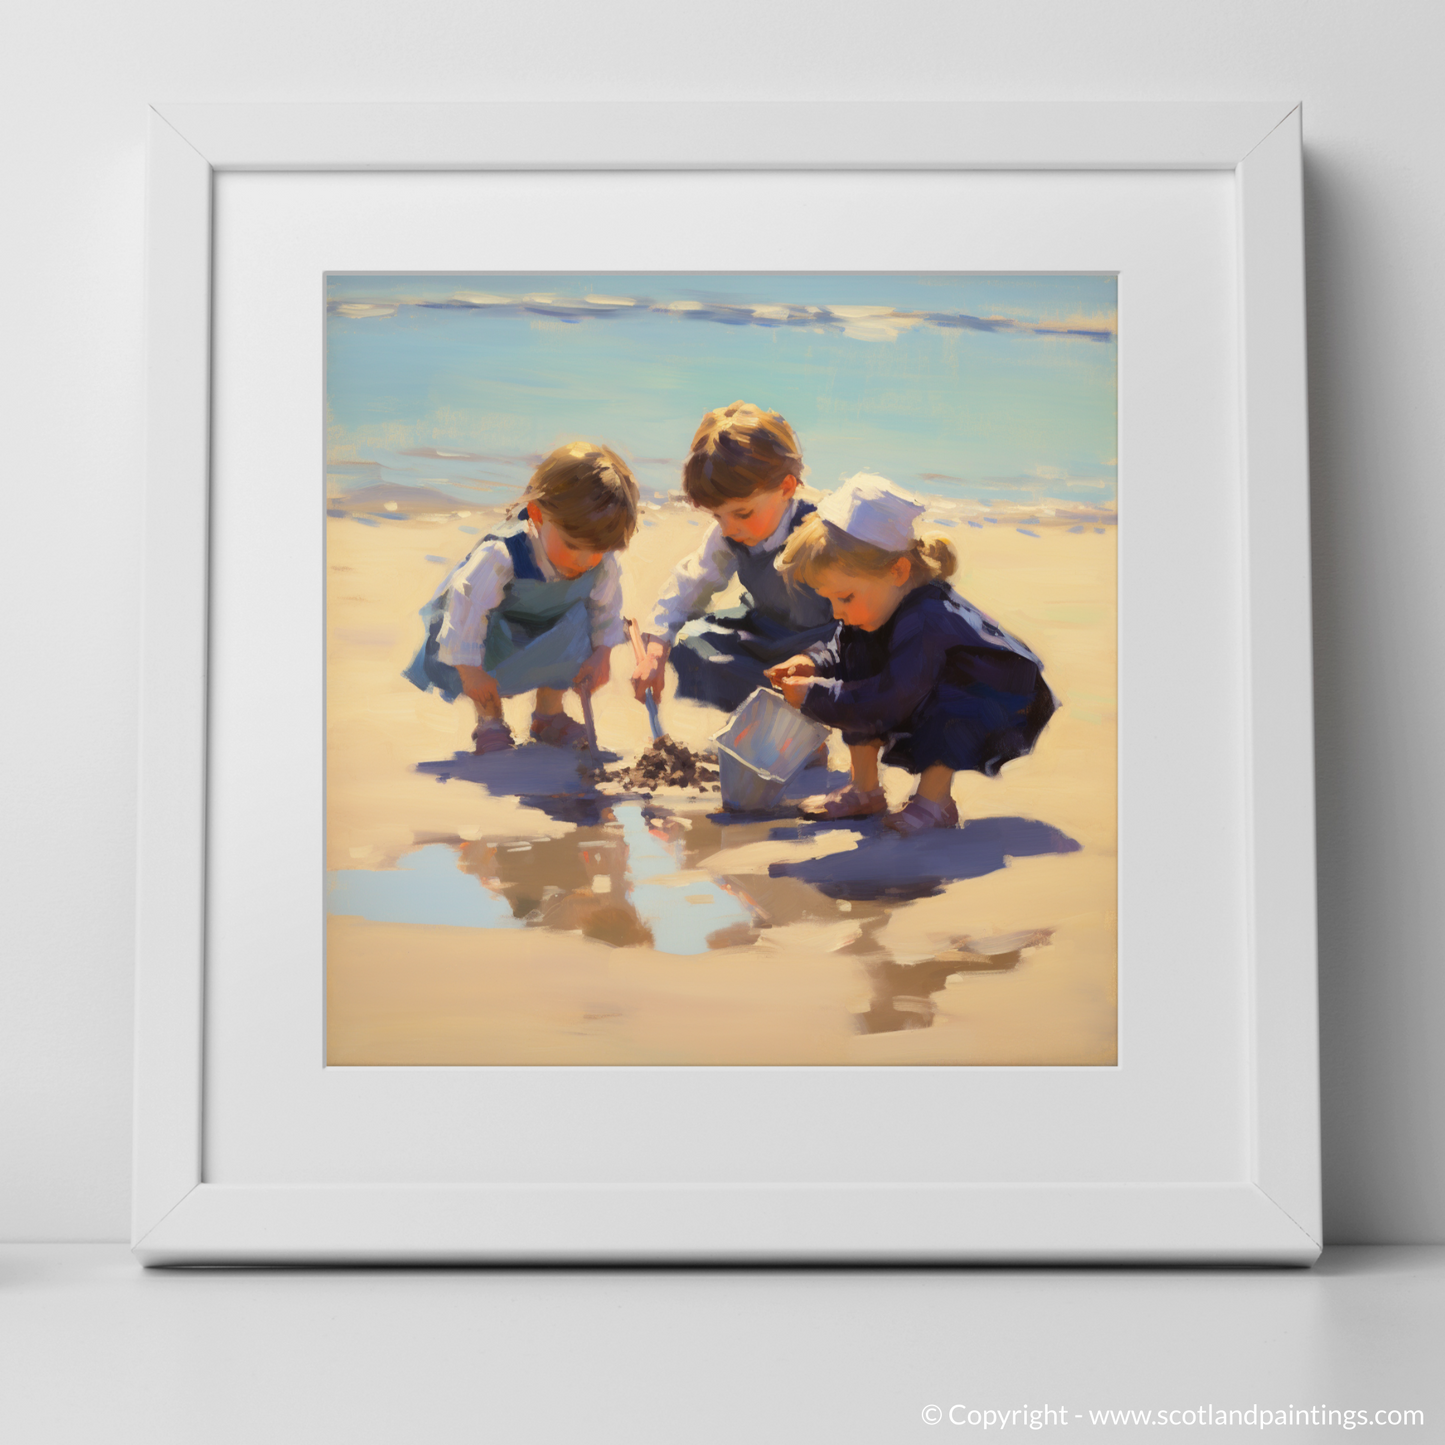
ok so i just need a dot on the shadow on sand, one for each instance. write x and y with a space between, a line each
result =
556 782
552 780
885 866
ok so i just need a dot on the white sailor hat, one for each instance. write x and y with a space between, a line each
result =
873 510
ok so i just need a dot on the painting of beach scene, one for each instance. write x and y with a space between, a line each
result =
720 669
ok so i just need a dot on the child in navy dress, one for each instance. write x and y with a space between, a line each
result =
743 468
912 673
537 604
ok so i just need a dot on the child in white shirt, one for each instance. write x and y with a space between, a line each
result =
744 468
537 604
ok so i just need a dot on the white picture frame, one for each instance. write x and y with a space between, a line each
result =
1269 1213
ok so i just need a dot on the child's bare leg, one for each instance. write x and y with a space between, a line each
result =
862 797
931 806
863 764
550 723
482 690
936 783
491 734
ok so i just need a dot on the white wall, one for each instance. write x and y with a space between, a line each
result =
79 76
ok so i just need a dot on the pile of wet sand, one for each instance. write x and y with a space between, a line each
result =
665 764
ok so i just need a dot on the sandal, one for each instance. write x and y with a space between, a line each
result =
491 735
846 802
918 815
558 730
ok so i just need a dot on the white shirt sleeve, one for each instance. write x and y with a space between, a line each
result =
473 592
692 585
604 603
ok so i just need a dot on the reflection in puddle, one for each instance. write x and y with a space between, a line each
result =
684 907
903 993
632 873
625 881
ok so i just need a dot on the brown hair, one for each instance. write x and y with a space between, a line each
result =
587 490
816 545
738 450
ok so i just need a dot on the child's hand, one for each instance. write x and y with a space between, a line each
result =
651 671
795 667
594 672
482 689
793 691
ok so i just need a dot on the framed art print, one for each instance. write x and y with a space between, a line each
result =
726 682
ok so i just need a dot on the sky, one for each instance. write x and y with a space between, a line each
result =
993 388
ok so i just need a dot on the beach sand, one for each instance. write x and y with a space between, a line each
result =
634 930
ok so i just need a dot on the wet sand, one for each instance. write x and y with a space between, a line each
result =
590 926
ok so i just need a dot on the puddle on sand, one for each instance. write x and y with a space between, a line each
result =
683 907
424 887
632 873
625 881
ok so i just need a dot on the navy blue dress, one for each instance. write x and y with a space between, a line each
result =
939 682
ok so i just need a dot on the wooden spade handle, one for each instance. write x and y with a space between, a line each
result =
589 722
640 653
634 634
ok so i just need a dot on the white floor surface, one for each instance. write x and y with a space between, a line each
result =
95 1349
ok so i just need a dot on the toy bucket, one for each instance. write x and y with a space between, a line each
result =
763 745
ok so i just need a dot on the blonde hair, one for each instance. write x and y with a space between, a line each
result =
738 450
816 545
587 490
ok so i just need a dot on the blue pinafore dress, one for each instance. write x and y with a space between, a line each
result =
538 635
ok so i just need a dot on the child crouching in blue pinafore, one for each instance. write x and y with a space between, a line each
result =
912 672
537 604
